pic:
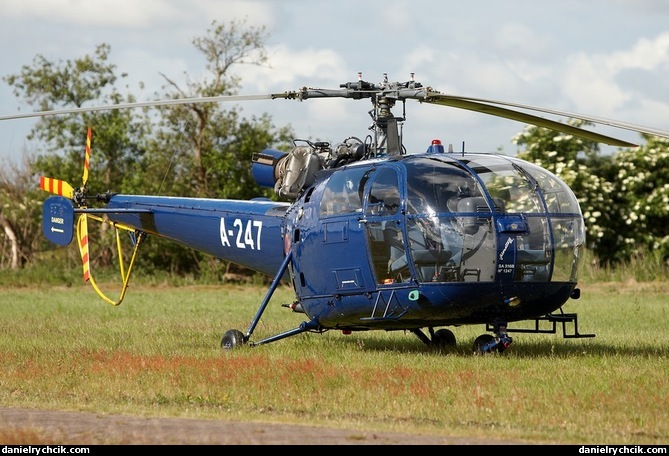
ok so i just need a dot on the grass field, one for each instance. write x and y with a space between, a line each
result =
158 354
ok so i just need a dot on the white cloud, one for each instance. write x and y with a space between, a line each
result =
647 54
593 81
290 68
605 58
519 41
108 13
589 82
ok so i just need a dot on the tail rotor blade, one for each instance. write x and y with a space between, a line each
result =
62 188
82 234
56 186
87 157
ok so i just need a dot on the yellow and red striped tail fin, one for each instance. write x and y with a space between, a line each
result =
56 186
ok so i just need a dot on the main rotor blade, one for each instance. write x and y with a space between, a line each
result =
594 119
482 106
142 104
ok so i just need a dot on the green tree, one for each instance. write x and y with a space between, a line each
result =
210 144
20 213
187 150
205 150
61 140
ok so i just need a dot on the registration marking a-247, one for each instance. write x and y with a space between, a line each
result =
244 235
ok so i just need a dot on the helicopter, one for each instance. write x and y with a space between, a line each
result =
369 235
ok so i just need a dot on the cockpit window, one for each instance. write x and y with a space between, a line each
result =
435 186
559 198
507 185
343 192
384 194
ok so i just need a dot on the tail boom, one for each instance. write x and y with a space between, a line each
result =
247 233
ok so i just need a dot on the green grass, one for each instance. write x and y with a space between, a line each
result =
158 354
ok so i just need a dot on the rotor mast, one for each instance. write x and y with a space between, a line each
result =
386 126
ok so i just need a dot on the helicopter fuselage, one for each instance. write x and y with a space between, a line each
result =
434 239
402 242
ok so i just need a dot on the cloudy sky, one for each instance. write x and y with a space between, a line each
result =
604 58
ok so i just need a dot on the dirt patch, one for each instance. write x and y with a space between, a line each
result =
41 427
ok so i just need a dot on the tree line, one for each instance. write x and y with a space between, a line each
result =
204 150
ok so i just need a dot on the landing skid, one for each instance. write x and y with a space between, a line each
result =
500 340
553 320
487 343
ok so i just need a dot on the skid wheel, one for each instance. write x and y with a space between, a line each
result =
232 339
480 342
443 338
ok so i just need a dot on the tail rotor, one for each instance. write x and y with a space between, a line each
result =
58 220
57 204
62 188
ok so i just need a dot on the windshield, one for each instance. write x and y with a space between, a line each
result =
475 218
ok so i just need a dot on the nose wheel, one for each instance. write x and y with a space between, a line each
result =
488 343
443 338
232 339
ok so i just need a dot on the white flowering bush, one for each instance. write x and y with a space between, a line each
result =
624 197
642 188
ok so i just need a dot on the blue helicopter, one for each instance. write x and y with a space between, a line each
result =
372 237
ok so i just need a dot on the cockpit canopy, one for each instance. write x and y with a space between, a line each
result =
445 217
